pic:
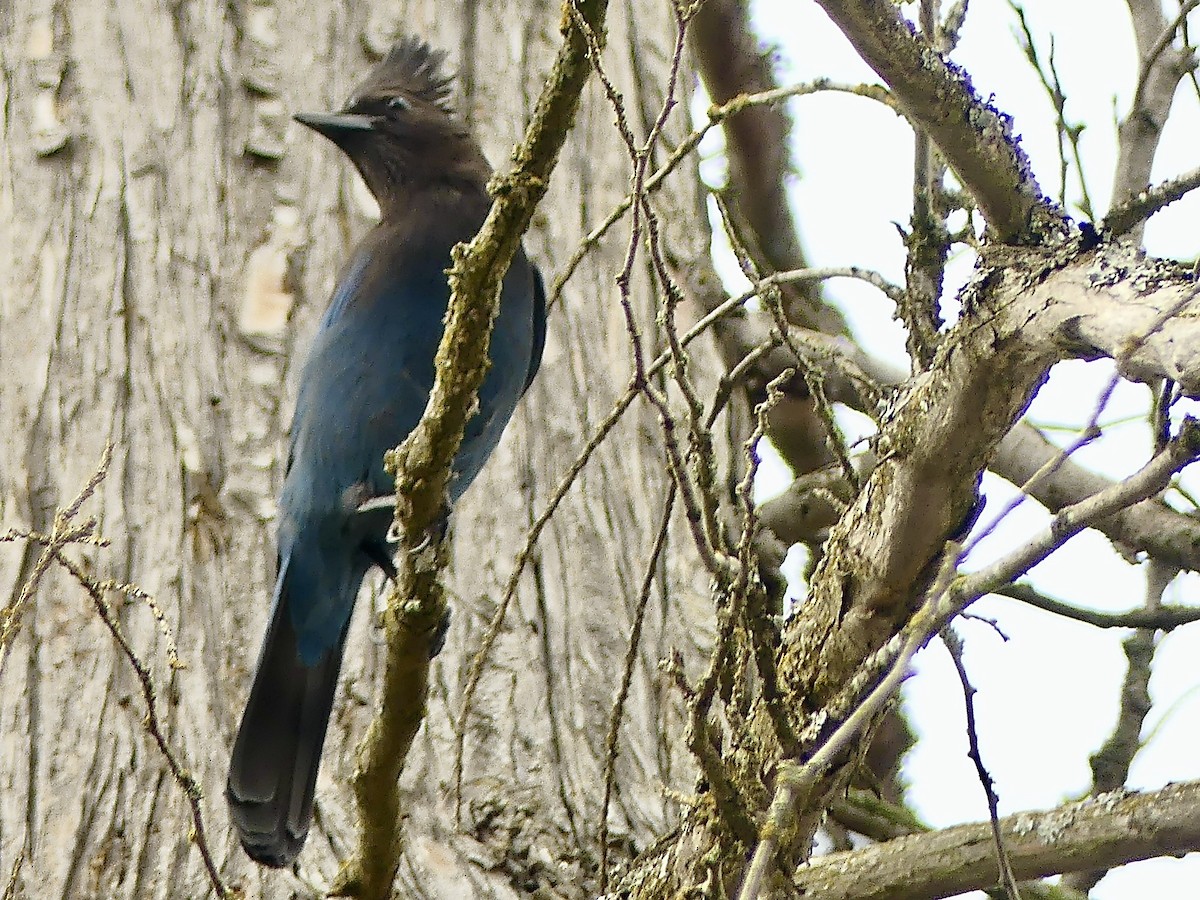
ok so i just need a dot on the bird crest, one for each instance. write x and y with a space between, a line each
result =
411 69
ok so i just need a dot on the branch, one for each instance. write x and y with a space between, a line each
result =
805 511
1007 879
974 138
1152 478
65 532
1150 526
1139 207
796 783
631 655
717 115
868 814
1067 133
813 503
1111 763
1162 67
940 433
1163 618
421 463
1101 832
1149 325
14 876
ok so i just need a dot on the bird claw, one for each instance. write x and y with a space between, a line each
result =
435 533
426 543
375 504
393 533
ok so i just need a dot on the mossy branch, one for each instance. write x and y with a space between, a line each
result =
421 464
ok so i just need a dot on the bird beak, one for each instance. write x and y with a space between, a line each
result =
336 125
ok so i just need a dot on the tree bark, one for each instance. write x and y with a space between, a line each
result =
172 241
169 260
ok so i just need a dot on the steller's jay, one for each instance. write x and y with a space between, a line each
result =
362 390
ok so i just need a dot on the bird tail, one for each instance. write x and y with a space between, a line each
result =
277 752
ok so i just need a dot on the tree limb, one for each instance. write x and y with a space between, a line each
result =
1102 832
1163 618
421 463
1161 68
974 138
1150 526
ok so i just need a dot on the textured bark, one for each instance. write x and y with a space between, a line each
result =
1110 829
167 263
171 242
1025 310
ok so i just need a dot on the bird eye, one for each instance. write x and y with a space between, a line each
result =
399 104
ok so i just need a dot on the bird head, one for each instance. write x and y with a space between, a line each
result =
399 127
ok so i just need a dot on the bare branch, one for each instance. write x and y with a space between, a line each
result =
421 464
475 673
1141 206
716 116
618 708
1162 67
974 138
1150 337
1101 832
66 532
1150 526
795 781
14 876
1110 764
934 443
1152 478
1007 880
1066 132
1164 618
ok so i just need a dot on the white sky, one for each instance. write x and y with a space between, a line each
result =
1047 696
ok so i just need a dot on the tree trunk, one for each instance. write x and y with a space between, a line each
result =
173 241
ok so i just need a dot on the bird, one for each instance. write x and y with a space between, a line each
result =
362 389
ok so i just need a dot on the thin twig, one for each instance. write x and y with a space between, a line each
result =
698 499
64 533
813 377
14 876
764 633
564 485
954 646
716 116
153 723
618 708
1155 476
1066 132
